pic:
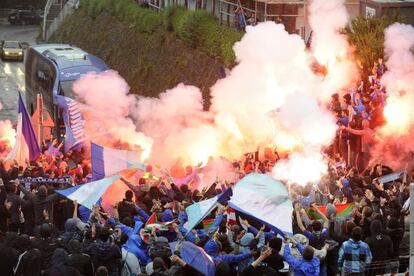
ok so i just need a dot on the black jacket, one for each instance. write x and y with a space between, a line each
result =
8 258
126 209
79 260
105 254
47 247
29 263
15 210
396 236
381 247
40 202
59 265
274 261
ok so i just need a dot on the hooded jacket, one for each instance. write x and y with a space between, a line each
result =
354 256
29 263
59 265
245 249
105 254
79 260
71 231
136 246
8 257
380 245
40 202
301 266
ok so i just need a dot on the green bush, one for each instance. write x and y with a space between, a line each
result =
198 29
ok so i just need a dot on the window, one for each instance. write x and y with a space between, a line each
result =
66 88
11 44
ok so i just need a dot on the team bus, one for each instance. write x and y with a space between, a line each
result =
50 70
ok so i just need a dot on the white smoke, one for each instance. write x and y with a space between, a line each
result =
107 111
398 133
271 98
7 136
330 47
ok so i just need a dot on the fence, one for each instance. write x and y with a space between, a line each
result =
5 12
66 9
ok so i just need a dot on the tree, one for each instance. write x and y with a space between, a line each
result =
366 35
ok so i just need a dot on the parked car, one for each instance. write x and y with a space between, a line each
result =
12 50
24 17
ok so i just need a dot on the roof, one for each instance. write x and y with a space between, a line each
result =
71 61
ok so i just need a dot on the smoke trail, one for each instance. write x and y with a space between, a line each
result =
397 147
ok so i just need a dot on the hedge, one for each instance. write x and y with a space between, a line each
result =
198 29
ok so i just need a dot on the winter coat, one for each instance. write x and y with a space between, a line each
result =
29 263
47 247
136 246
79 260
354 256
381 247
41 202
126 208
396 236
59 265
105 254
15 210
71 231
8 257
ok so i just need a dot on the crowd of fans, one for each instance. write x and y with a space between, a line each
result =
43 233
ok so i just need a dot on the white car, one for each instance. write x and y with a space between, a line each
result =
12 50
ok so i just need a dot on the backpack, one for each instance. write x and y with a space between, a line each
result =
160 247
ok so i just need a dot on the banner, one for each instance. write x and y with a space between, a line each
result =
264 199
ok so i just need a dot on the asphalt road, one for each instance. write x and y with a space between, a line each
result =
12 72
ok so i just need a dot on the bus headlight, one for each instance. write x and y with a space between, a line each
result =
6 53
20 53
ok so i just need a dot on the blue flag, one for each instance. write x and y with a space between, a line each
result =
265 199
26 147
74 122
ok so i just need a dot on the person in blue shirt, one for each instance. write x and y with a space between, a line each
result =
309 265
354 254
319 232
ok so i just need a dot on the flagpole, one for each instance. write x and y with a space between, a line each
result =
40 120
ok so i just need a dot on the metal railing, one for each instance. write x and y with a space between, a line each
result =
65 10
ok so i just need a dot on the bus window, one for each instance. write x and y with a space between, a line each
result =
66 89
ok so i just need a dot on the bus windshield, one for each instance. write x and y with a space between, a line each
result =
66 88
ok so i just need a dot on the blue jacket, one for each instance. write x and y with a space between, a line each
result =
135 246
301 267
354 256
167 216
212 248
129 231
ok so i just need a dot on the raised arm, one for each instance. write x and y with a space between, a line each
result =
299 217
355 131
324 218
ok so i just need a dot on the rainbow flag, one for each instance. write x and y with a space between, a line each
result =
153 222
341 210
207 224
